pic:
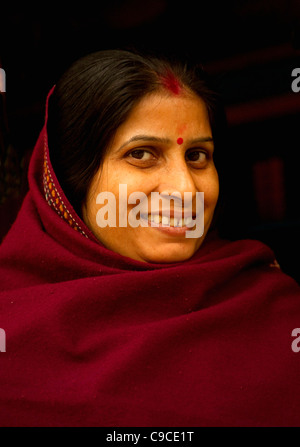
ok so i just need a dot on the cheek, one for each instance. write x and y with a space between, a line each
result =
215 189
89 208
210 187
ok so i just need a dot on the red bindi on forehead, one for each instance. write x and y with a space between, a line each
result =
179 140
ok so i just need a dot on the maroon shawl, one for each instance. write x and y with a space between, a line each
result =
97 339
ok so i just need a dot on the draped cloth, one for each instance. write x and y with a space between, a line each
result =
94 338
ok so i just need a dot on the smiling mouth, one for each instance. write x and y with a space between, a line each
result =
176 222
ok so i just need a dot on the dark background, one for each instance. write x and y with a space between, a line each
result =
249 47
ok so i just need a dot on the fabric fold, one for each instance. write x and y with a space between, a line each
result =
97 339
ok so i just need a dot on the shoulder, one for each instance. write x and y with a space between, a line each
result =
248 260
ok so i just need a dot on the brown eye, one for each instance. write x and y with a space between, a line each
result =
196 156
140 154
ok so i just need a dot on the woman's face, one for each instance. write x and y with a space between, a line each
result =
164 146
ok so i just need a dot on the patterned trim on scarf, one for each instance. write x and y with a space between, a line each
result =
54 198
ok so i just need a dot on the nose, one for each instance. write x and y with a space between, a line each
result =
177 176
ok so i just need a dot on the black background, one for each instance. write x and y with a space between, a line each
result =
249 47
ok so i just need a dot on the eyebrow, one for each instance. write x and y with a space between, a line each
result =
201 140
153 139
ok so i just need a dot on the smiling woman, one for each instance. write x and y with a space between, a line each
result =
157 163
153 127
125 315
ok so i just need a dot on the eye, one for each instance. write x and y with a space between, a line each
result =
196 156
141 154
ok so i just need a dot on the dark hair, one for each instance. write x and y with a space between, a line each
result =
95 96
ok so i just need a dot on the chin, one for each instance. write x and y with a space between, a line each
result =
170 254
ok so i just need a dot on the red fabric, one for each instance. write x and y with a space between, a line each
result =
97 339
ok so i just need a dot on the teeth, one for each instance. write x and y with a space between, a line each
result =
172 222
156 219
165 220
188 221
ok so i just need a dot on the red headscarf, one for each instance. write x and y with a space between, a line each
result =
97 339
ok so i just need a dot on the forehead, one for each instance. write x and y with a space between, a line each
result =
162 112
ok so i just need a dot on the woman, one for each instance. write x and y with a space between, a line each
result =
116 313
